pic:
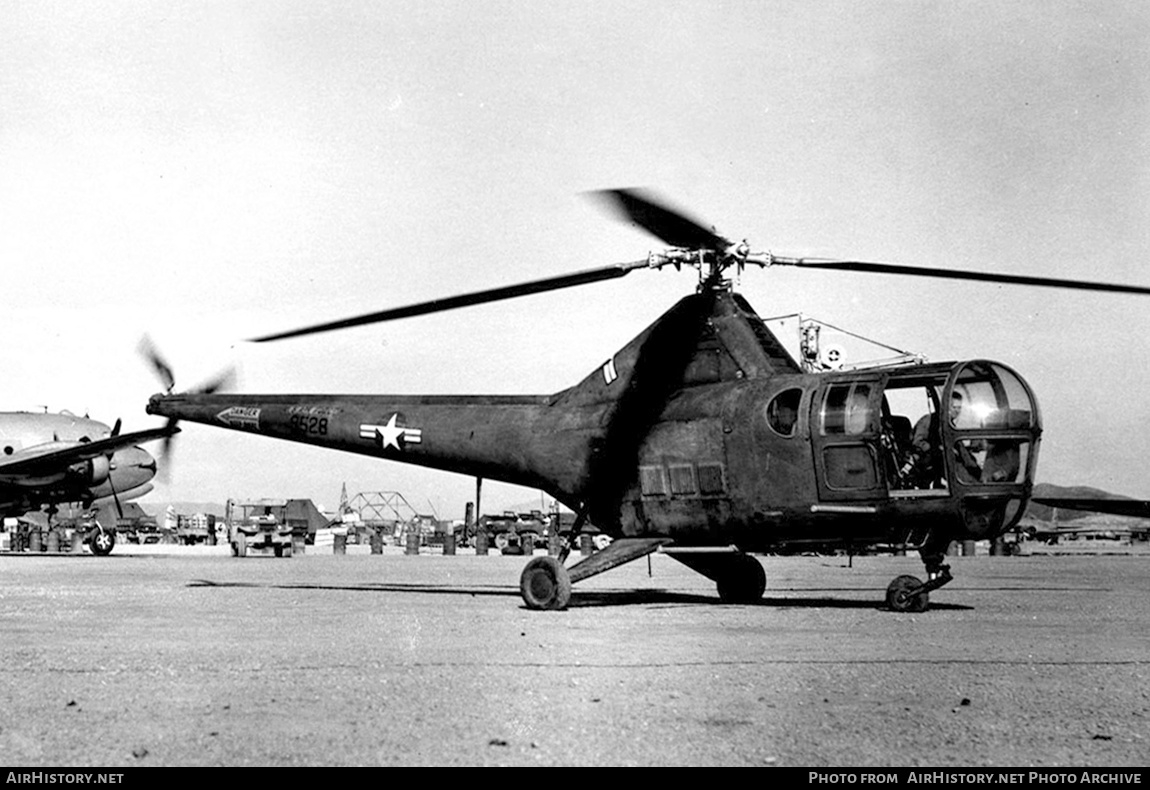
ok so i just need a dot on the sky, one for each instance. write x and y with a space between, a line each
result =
206 172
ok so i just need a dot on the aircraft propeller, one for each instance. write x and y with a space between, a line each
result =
692 244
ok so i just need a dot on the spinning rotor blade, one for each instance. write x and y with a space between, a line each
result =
949 274
466 300
671 226
148 350
222 381
164 371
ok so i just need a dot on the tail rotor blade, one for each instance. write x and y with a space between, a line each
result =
148 350
222 381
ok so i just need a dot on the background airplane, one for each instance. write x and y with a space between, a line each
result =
1051 522
48 460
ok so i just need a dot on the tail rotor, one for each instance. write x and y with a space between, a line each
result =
222 381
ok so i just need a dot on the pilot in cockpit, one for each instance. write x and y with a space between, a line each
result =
924 467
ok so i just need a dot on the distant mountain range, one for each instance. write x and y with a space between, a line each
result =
1046 513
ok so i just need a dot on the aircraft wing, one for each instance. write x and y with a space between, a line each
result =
1117 507
58 454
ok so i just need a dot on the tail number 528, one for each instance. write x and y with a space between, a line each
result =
309 423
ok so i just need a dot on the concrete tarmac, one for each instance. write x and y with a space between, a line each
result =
166 656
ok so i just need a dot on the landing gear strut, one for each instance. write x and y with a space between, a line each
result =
546 583
739 577
908 594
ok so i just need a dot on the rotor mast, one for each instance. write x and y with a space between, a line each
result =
712 264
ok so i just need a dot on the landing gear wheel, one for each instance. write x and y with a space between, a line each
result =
743 581
545 584
898 599
101 542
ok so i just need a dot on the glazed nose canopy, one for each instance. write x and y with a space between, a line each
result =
990 396
993 424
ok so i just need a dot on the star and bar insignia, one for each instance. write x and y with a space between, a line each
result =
391 434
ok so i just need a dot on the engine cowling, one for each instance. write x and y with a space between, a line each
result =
92 471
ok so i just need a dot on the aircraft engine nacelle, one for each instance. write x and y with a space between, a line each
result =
93 471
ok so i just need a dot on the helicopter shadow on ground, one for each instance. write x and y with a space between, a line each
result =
580 599
667 599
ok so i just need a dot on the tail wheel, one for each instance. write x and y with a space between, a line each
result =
743 581
900 598
545 584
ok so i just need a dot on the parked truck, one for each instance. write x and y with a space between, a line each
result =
255 525
516 533
195 529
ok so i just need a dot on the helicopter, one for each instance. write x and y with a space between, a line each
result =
703 437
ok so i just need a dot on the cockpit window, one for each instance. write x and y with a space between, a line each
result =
991 460
783 412
846 409
988 396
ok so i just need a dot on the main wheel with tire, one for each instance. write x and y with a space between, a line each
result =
101 542
900 598
743 580
545 584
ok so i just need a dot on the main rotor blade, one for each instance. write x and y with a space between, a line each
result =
671 226
466 300
952 274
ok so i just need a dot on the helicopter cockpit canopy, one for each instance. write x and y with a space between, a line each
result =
992 425
966 430
930 429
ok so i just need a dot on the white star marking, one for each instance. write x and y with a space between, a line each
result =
390 435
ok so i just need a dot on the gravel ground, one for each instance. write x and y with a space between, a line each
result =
176 656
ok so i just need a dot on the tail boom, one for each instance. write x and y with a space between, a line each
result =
496 437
